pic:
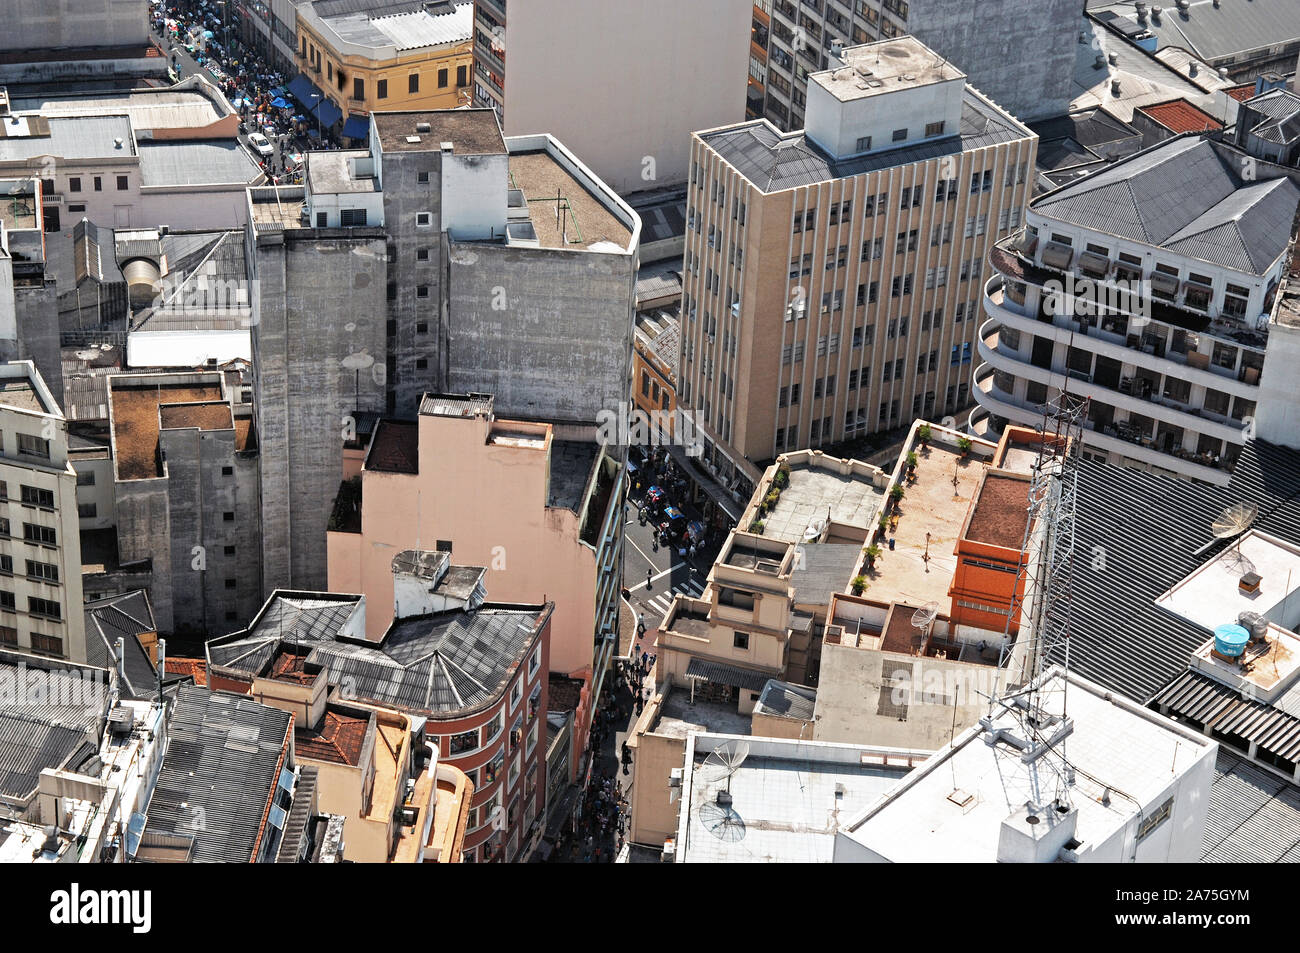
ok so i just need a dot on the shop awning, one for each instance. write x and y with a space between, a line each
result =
357 127
327 112
303 90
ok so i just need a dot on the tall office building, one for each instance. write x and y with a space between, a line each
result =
831 276
1020 57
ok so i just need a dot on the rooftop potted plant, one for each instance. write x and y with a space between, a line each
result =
782 478
964 445
896 493
911 464
923 434
756 527
873 553
859 584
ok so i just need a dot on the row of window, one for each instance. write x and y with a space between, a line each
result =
32 533
48 644
36 569
97 182
35 605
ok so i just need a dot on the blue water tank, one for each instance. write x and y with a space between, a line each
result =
1231 639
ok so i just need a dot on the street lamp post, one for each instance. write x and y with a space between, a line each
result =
317 96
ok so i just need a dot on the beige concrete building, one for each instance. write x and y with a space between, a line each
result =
831 276
40 546
539 515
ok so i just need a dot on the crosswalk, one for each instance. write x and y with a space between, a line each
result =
658 605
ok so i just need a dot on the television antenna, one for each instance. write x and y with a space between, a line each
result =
722 762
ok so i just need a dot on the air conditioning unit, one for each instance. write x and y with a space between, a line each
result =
669 854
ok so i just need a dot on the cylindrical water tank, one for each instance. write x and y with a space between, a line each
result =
1230 639
142 282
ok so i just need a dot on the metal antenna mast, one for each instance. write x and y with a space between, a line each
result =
1042 599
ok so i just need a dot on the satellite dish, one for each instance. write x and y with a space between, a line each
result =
923 616
1234 521
723 761
722 821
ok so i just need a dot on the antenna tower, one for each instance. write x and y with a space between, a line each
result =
1041 604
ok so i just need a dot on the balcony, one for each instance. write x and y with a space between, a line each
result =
1133 400
1105 341
1133 446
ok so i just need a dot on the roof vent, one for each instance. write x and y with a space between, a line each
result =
446 146
1114 86
412 139
1113 58
117 143
1192 68
1156 11
1099 62
1183 4
423 127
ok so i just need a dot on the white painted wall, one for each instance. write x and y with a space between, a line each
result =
474 195
619 80
837 126
1277 414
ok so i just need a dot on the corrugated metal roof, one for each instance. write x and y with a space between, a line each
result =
1218 32
1184 196
221 769
1149 527
722 674
126 617
1221 707
1253 817
787 700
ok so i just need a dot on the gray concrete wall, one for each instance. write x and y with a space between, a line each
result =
1019 55
199 496
144 532
561 349
322 301
404 198
42 24
37 310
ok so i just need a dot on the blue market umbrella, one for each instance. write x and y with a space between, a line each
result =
279 103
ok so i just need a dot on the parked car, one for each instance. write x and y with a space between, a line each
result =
261 145
654 498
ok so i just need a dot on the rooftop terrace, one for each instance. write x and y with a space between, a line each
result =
583 221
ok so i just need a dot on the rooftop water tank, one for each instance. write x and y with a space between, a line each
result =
1230 639
1255 623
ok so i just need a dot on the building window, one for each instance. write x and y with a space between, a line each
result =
33 446
74 184
422 291
422 254
121 183
230 584
533 662
424 219
8 635
421 363
422 327
463 742
229 550
413 83
442 79
35 496
47 644
443 546
900 135
381 89
462 76
864 144
358 88
39 570
227 471
352 217
740 640
45 607
39 534
934 129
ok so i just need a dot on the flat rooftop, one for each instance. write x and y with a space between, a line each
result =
875 69
788 800
277 206
1001 512
214 415
932 505
70 137
135 416
470 131
774 161
679 717
1116 746
173 108
19 392
583 221
815 493
200 162
330 173
1210 596
571 465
